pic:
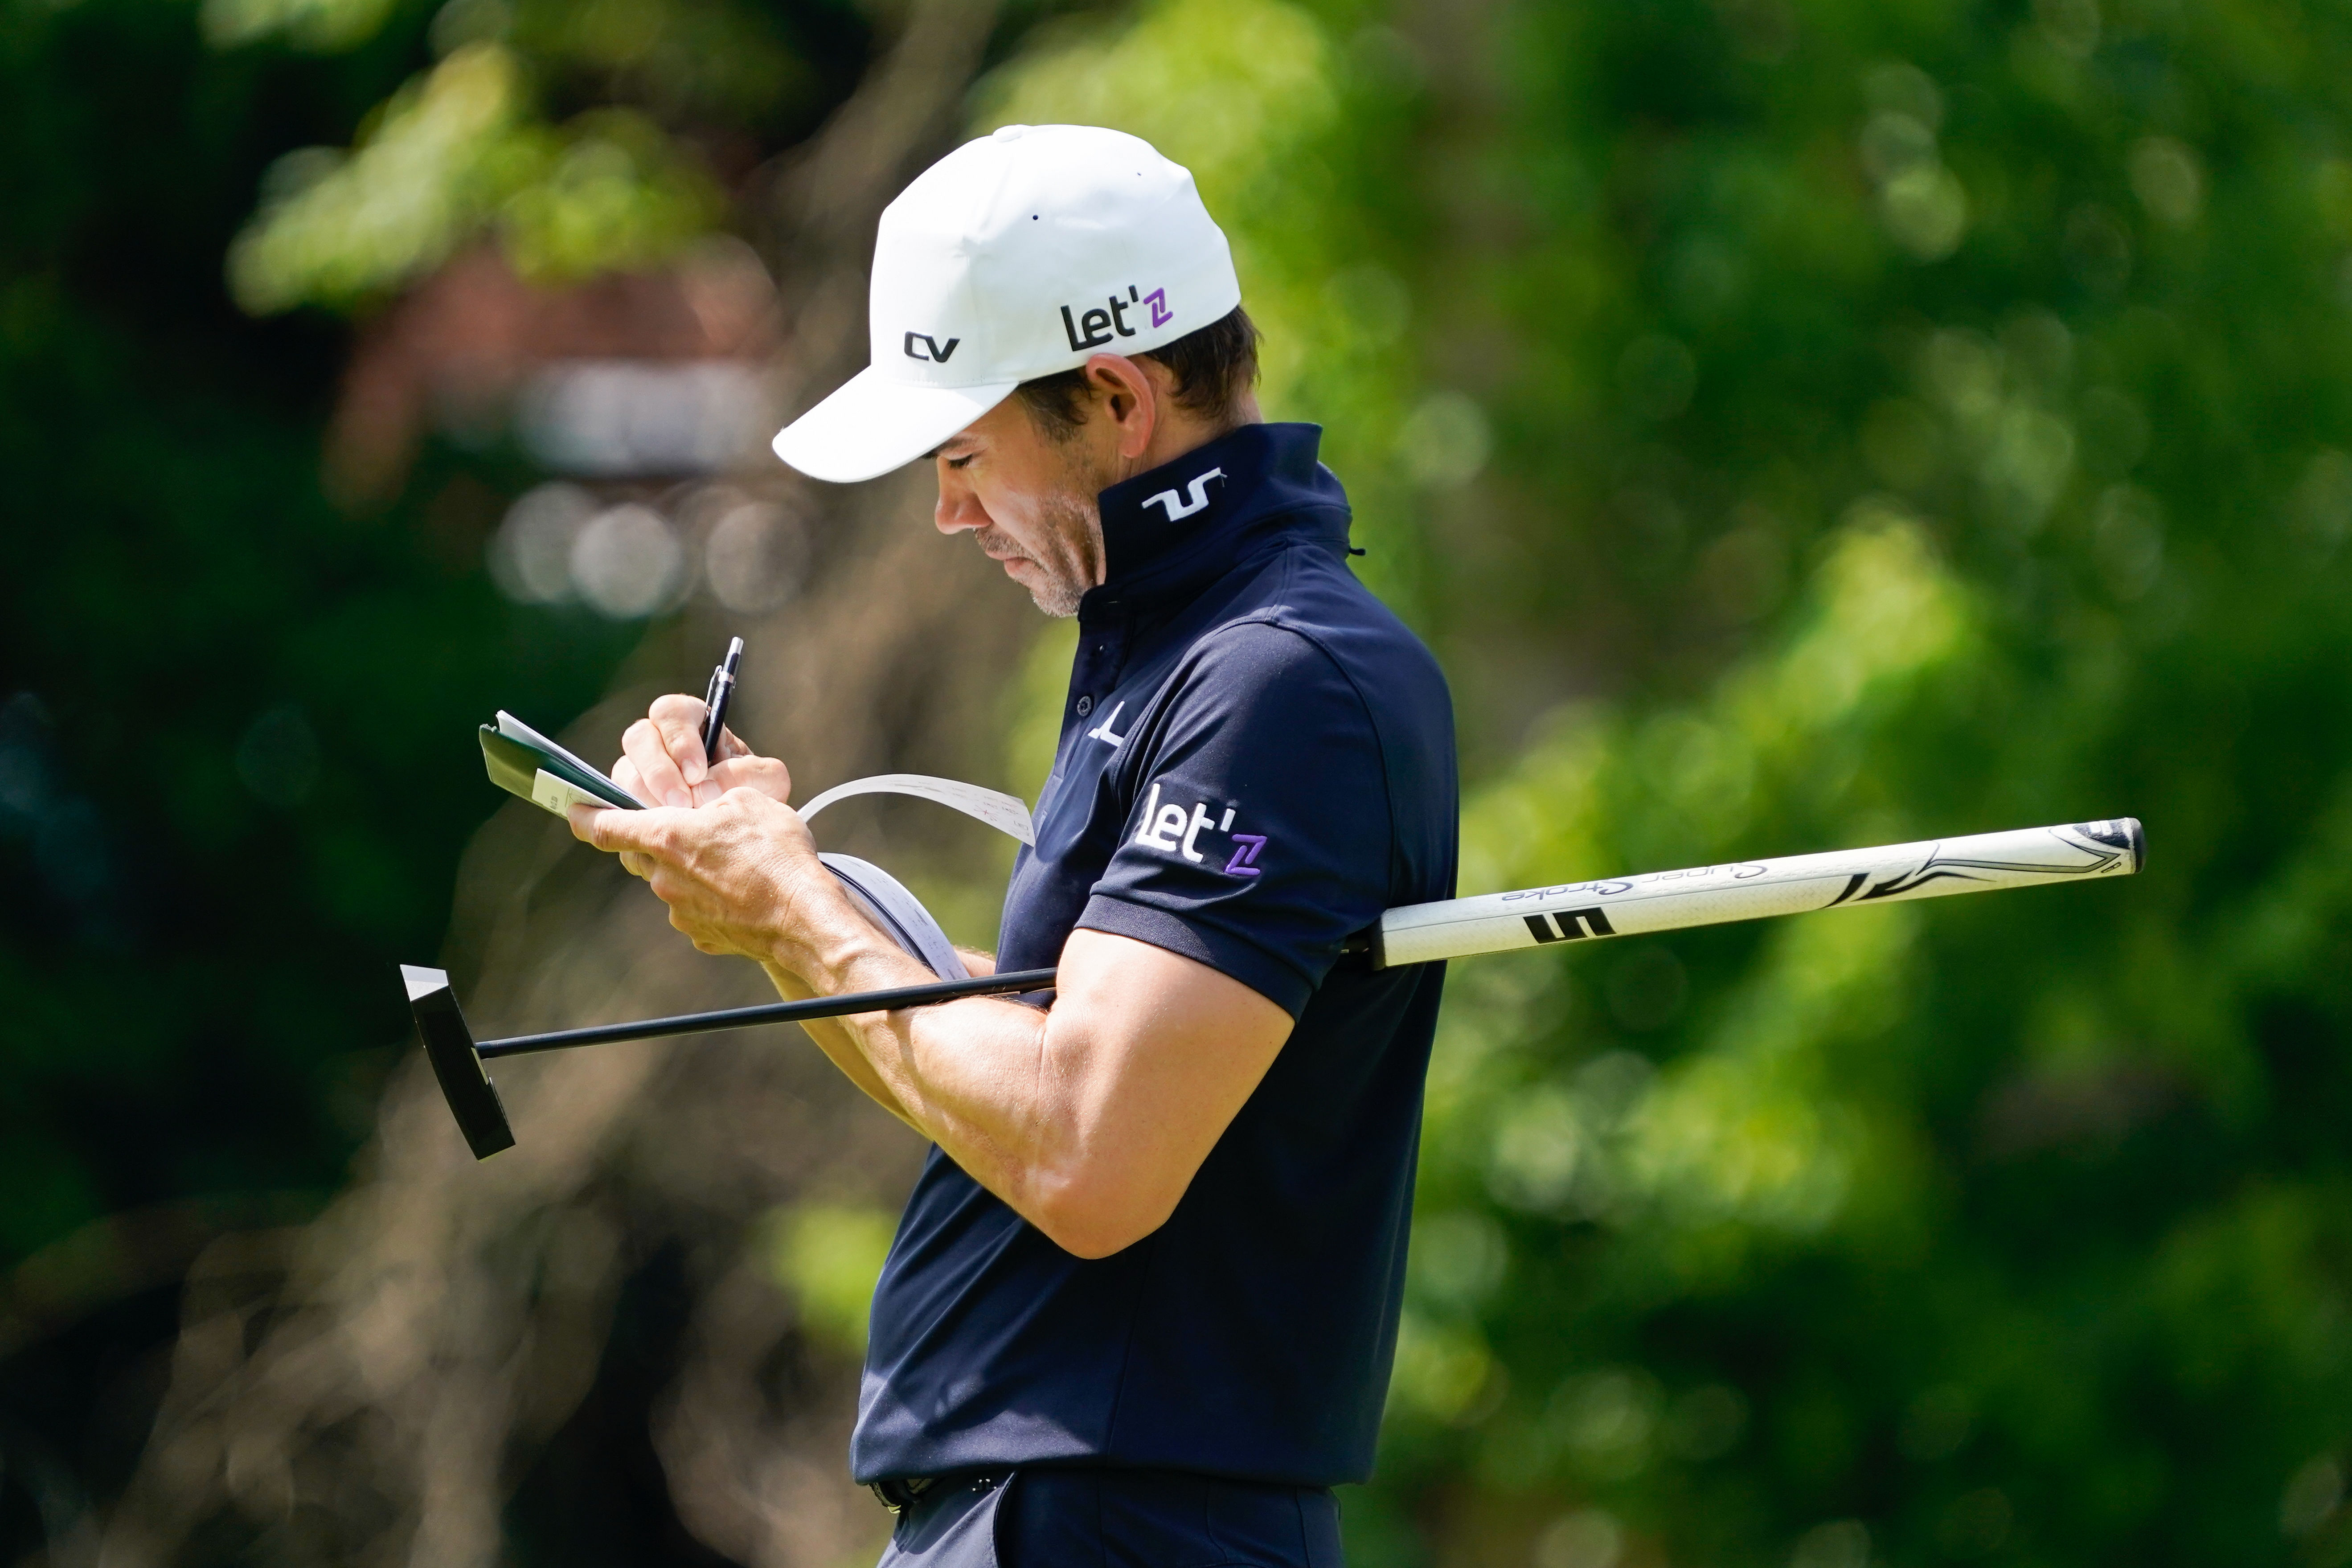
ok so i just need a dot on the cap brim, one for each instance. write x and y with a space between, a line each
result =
870 426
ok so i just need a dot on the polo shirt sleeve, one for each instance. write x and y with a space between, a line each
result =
1260 834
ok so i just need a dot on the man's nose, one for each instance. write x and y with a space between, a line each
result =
959 509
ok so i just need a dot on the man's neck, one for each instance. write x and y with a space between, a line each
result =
1177 433
1173 438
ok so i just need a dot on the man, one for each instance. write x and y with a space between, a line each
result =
1143 1302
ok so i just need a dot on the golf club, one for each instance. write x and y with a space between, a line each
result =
1415 933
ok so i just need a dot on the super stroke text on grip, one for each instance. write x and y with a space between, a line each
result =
1740 872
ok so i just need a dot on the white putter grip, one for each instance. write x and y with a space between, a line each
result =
1755 890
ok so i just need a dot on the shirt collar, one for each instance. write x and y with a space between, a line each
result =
1180 526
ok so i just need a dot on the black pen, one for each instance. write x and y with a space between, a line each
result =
723 689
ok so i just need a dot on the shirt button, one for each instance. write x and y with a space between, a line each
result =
1085 706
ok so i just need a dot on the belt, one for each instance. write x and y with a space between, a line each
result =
898 1493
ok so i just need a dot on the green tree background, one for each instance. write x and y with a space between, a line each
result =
1794 424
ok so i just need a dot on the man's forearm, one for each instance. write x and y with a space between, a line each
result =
1087 1118
839 1045
967 1075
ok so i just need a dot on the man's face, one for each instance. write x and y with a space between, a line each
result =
1029 501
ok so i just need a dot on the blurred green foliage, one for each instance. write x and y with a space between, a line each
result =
224 718
235 773
1813 425
584 138
830 1256
449 156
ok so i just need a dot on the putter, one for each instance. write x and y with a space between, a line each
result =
457 1062
458 1059
1415 933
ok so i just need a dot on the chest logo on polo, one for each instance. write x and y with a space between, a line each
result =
1175 506
1172 828
1102 732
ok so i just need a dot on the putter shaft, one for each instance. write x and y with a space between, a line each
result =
774 1013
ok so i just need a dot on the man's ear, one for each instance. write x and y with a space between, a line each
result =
1130 401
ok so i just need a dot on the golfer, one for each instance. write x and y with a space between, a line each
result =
1143 1302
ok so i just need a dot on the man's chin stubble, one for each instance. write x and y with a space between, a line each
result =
1059 593
1056 598
1070 524
1055 594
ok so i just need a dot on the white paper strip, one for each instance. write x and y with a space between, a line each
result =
1001 812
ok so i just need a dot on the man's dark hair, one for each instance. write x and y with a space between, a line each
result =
1214 368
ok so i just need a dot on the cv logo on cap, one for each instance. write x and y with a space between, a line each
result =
934 351
1098 324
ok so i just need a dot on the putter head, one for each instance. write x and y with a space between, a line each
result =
449 1047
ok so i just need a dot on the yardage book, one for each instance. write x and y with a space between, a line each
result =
523 761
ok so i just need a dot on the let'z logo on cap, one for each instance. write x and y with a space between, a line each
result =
1097 325
935 350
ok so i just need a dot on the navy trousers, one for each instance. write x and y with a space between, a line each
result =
1115 1519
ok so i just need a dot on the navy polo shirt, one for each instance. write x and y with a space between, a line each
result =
1257 759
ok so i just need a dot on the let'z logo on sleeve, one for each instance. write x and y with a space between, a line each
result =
1177 831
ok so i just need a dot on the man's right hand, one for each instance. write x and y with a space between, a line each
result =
661 761
662 764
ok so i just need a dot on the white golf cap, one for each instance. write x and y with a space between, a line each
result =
1015 255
